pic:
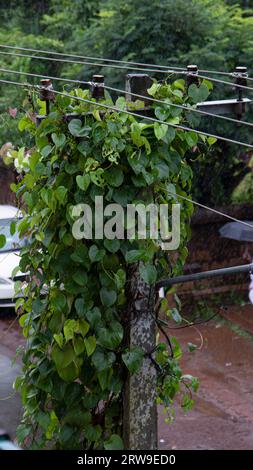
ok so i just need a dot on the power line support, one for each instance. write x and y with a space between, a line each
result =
139 398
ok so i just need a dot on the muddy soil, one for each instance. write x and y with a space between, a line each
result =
223 414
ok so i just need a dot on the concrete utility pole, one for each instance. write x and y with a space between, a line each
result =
139 399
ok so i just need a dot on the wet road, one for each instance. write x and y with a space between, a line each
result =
223 414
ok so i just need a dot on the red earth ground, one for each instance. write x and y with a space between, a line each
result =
222 417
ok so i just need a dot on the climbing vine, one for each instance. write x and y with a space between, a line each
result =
72 308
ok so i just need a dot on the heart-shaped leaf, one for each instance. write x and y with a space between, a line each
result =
83 182
76 128
108 297
90 345
58 140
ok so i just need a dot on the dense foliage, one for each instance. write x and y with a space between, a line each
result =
215 34
72 309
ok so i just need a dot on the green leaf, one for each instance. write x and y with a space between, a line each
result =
43 420
112 336
191 138
2 240
69 373
59 339
96 114
120 278
62 357
82 306
102 359
78 344
148 273
93 433
176 348
175 315
80 277
61 193
112 245
133 256
192 346
95 254
160 130
155 87
13 227
162 113
108 297
198 94
58 140
133 359
59 301
97 177
211 140
83 182
83 327
46 150
90 345
114 177
70 327
80 254
114 443
23 430
104 378
93 316
78 418
76 128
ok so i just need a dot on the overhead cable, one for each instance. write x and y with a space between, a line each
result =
210 209
102 59
114 108
184 107
66 54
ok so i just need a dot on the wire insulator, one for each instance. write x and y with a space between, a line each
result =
192 75
97 87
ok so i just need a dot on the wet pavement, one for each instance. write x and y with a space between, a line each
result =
222 417
10 402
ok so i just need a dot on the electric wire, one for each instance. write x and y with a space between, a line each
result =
113 108
67 61
29 74
102 59
167 72
64 54
217 80
185 108
177 126
210 209
60 79
155 100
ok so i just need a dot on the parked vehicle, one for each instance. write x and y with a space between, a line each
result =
9 255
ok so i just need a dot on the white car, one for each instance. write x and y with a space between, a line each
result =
9 256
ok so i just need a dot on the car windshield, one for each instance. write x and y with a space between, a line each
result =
13 242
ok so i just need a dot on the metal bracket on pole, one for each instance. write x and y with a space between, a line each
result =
138 83
204 275
230 106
